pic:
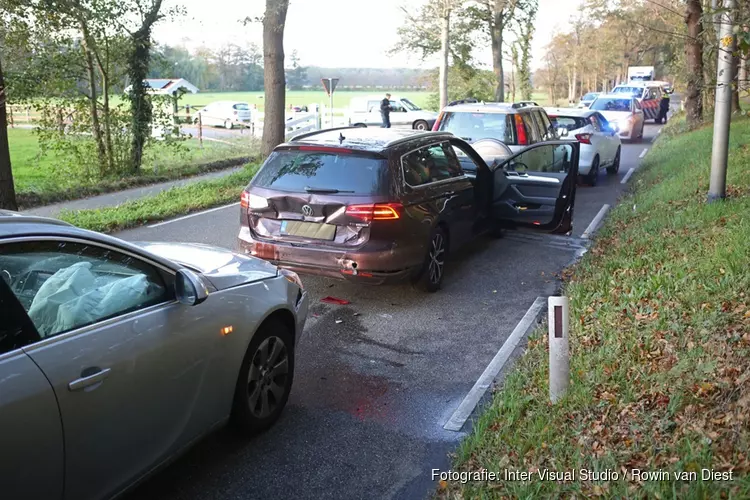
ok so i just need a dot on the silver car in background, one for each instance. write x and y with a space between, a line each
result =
115 357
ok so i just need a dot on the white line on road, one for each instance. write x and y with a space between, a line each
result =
595 223
643 153
465 409
627 176
196 214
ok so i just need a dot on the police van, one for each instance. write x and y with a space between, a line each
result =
648 95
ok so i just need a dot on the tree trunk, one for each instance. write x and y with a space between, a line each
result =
106 116
140 106
694 58
574 88
96 129
445 28
274 80
7 189
496 32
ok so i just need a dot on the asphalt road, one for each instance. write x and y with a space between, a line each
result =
372 393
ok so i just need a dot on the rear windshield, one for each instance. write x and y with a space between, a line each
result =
474 126
569 122
634 91
305 171
611 104
242 107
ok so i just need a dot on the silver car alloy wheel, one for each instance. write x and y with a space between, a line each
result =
267 377
437 256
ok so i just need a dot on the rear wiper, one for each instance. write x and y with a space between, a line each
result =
324 190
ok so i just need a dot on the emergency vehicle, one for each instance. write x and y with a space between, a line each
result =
648 95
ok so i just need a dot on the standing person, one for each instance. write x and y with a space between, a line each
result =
385 111
663 108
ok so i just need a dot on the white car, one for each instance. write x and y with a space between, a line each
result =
600 144
587 99
225 114
624 112
404 113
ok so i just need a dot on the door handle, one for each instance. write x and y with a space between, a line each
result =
89 380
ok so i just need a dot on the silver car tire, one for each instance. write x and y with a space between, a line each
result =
265 378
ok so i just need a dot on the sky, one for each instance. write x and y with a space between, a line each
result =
332 33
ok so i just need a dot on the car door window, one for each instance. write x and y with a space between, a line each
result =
596 123
396 107
67 285
16 331
546 125
373 106
603 123
531 128
430 164
552 158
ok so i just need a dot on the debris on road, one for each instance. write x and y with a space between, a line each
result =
335 300
339 321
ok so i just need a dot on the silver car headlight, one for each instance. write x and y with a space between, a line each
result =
292 277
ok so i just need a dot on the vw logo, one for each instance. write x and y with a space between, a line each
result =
307 210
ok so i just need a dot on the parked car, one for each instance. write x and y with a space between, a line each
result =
225 114
587 99
623 112
385 205
404 113
600 145
648 95
518 125
114 357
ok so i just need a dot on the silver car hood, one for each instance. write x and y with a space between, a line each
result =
222 267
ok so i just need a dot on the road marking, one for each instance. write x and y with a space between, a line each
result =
595 223
196 214
643 153
627 176
466 408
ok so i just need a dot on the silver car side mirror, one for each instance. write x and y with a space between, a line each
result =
189 289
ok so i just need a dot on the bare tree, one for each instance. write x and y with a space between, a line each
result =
7 189
694 57
274 79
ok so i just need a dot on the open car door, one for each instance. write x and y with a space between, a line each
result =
534 188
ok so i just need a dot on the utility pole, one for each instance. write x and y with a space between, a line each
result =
723 106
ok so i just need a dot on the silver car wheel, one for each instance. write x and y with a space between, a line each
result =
267 377
437 256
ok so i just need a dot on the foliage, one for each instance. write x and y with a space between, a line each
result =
296 76
660 348
464 83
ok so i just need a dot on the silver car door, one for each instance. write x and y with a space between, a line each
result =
31 436
126 361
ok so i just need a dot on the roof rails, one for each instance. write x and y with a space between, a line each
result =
305 135
524 104
408 138
469 100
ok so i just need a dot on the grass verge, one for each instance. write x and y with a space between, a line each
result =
660 349
169 203
39 183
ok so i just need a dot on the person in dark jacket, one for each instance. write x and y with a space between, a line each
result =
385 111
663 109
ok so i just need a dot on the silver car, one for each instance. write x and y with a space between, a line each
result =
115 357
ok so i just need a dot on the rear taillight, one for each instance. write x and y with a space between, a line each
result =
379 211
245 199
436 127
583 138
521 131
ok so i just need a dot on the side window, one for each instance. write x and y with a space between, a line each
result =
596 123
16 331
396 107
531 128
550 158
547 131
373 106
603 123
64 285
430 164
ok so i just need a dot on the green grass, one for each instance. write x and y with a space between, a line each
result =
37 181
660 347
170 203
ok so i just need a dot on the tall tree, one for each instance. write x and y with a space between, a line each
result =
138 61
7 189
524 36
694 60
274 80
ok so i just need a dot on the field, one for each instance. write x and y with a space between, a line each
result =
35 175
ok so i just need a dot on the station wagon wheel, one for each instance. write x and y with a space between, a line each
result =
265 378
421 125
431 277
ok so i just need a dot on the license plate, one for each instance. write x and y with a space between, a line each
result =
312 230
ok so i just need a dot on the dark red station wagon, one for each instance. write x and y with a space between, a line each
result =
385 205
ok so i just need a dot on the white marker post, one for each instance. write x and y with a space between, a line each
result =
559 357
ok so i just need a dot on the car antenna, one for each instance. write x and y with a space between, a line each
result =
341 137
